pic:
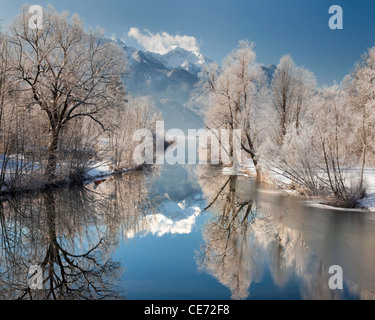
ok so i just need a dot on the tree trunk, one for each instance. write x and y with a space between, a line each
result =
364 147
50 169
253 156
364 153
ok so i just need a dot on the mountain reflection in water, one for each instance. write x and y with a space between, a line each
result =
205 234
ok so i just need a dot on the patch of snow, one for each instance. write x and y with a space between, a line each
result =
276 177
369 201
181 58
99 169
316 204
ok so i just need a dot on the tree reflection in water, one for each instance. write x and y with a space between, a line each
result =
70 234
226 235
248 233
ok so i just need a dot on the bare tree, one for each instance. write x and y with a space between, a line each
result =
66 72
56 224
362 98
138 113
225 251
236 96
291 88
3 72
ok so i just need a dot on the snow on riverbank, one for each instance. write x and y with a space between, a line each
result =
32 173
369 201
99 170
276 178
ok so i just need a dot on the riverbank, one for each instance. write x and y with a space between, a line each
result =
286 185
96 171
101 170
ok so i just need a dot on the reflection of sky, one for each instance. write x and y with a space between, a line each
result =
172 218
178 182
161 255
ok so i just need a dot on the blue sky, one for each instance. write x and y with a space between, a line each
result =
278 27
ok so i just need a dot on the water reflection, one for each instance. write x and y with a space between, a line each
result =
56 231
70 235
248 236
124 232
172 218
124 201
175 203
227 252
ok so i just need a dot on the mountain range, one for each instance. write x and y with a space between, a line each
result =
169 80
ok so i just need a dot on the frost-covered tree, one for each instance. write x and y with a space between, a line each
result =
236 97
318 158
3 72
361 88
291 88
332 127
67 73
138 113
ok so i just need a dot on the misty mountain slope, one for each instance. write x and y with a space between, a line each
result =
170 79
151 75
176 116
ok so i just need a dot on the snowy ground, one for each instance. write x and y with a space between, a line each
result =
276 178
96 169
99 170
369 201
102 169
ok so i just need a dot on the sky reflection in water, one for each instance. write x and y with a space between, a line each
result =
148 236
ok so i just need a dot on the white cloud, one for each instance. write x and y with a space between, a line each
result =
173 218
162 42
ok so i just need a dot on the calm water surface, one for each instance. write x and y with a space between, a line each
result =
182 232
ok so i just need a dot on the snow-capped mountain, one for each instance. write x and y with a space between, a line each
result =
181 58
170 79
176 58
162 76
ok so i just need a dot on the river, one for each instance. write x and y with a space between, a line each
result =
182 232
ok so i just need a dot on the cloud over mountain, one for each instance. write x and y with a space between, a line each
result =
163 42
